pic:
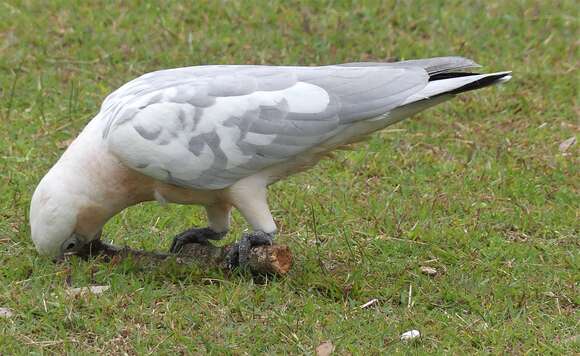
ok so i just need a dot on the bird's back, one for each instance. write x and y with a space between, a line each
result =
210 126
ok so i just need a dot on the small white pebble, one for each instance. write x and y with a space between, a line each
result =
565 145
410 335
325 349
82 291
6 313
430 271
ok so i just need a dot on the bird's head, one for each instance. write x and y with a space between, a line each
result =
62 219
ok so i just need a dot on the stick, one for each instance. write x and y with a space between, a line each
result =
274 259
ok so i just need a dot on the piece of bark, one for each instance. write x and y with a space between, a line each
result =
274 259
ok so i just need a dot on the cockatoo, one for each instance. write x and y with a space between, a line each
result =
219 135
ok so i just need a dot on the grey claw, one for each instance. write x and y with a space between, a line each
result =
177 244
195 235
233 256
256 238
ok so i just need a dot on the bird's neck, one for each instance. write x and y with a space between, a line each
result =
103 185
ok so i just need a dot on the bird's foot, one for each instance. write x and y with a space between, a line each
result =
240 252
195 235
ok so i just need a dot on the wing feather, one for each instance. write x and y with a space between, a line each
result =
207 127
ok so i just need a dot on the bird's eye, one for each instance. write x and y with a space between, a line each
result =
71 245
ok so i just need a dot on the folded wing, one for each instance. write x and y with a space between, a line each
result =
207 127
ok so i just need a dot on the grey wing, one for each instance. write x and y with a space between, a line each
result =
433 65
208 127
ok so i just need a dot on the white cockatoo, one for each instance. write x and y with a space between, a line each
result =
219 135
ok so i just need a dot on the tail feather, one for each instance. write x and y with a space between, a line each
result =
455 83
483 81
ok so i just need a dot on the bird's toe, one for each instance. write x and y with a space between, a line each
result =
195 235
256 238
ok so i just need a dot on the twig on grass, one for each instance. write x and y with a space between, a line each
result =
274 259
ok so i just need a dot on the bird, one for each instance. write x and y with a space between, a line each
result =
219 135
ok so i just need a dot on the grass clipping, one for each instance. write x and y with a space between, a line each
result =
273 259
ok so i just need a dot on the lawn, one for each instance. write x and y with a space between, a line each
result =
480 188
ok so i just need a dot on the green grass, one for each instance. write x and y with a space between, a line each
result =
476 188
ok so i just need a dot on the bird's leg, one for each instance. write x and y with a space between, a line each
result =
219 221
252 203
